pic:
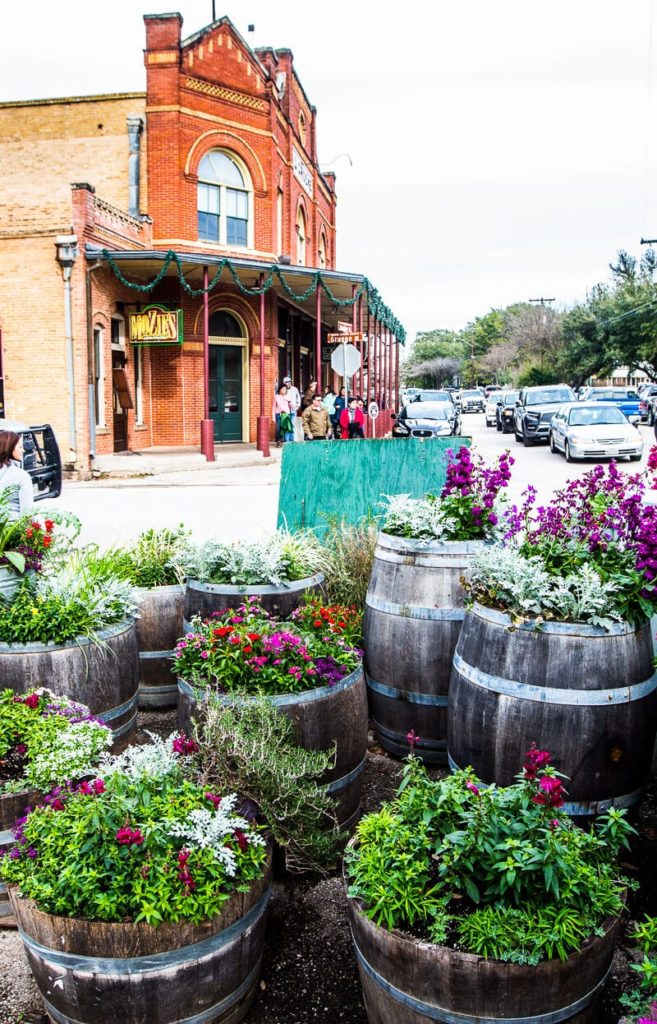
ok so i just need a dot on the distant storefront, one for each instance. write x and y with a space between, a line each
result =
169 256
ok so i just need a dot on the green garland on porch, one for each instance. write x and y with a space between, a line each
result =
375 305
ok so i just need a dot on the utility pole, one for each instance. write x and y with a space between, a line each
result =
648 241
541 301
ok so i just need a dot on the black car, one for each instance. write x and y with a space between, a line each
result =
41 457
505 412
424 419
534 411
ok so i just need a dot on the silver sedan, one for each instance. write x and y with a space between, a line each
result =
591 430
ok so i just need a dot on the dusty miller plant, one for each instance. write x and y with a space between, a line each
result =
276 560
251 748
504 578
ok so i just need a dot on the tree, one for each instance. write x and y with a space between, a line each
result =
433 372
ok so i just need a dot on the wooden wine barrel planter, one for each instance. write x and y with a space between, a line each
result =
413 616
586 695
322 718
205 598
90 972
104 675
159 626
406 981
12 806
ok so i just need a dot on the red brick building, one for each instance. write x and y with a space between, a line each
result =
201 199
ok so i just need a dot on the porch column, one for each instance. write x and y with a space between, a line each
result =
360 348
262 430
368 397
396 374
385 367
207 426
375 372
318 336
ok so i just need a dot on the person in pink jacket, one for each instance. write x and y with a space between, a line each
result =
281 413
352 420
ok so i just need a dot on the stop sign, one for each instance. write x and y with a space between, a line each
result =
345 360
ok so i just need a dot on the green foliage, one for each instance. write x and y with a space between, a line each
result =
140 848
155 558
452 844
349 553
533 376
642 1000
525 934
81 598
251 748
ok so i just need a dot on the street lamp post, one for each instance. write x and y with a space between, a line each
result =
67 253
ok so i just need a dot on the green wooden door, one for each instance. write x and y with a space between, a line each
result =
226 392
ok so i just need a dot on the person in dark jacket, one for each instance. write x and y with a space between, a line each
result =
339 406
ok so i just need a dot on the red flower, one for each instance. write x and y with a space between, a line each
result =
242 841
32 701
214 800
550 794
49 525
253 636
35 525
47 541
129 836
535 760
183 745
247 649
223 631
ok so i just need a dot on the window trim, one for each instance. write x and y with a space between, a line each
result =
222 195
302 238
99 375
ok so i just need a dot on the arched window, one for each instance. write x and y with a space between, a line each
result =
279 221
224 205
301 236
322 251
224 325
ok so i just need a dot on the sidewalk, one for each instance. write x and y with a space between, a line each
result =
156 461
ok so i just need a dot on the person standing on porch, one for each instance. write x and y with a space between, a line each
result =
294 398
316 423
352 420
281 413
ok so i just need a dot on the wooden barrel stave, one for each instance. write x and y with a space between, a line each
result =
92 973
406 981
104 675
12 806
205 598
159 626
322 717
587 696
413 617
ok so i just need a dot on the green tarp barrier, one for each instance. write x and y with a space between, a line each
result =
347 479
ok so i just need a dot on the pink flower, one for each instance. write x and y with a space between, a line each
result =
473 789
129 836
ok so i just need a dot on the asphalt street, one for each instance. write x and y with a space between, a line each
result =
234 503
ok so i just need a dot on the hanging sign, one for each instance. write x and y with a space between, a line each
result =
156 325
373 410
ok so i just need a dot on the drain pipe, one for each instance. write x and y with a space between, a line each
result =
67 252
91 363
135 128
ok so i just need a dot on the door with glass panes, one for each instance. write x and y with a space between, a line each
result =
226 392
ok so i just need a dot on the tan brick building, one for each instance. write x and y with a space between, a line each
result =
201 197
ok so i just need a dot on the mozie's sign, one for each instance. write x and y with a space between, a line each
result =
156 325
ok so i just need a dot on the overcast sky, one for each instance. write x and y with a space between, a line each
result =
497 151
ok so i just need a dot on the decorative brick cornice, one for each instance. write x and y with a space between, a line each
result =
113 211
222 93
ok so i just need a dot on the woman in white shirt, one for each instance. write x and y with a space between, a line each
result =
13 477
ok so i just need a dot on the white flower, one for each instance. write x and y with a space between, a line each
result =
70 754
155 760
206 829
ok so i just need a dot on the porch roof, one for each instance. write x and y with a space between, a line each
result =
142 270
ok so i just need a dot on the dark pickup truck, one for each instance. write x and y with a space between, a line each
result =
41 457
534 410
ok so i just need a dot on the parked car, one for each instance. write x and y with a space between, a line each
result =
505 411
425 419
626 399
647 394
594 430
41 457
491 388
490 409
473 400
535 408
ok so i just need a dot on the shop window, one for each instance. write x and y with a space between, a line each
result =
301 237
99 376
224 200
